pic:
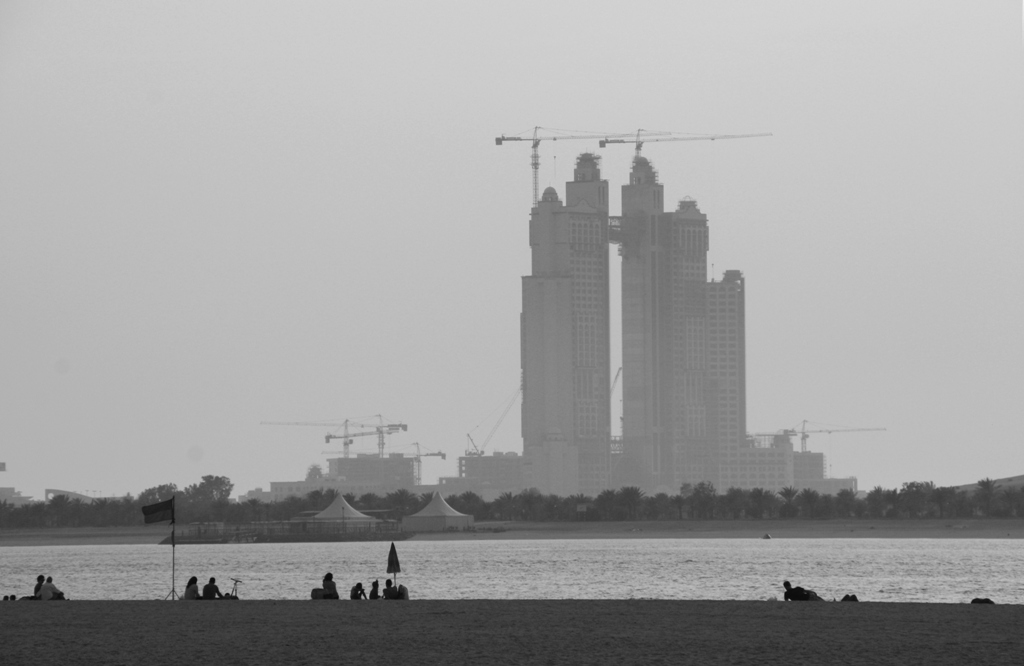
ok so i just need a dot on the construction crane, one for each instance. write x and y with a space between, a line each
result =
472 449
380 429
537 138
805 433
418 461
639 139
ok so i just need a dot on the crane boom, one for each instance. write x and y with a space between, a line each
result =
537 138
668 136
805 433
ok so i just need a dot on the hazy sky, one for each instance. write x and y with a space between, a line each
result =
218 213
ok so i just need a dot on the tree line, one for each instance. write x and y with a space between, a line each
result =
209 501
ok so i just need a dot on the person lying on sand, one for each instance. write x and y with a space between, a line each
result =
799 593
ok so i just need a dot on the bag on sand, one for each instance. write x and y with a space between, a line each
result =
317 593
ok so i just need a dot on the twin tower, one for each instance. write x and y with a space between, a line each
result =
683 349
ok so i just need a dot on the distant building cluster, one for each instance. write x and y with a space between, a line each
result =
683 364
683 351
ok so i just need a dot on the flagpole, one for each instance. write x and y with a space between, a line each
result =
174 591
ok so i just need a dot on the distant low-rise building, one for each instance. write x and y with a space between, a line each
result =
767 465
14 497
487 476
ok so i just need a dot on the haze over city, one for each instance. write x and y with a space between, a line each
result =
217 215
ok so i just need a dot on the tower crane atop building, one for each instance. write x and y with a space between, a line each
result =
549 134
380 429
805 433
644 136
418 461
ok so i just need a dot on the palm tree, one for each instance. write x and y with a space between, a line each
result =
679 502
761 501
942 497
529 502
630 497
605 503
846 502
735 501
401 502
808 500
788 494
504 506
704 498
984 495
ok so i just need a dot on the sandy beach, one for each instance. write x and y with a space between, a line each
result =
511 632
975 528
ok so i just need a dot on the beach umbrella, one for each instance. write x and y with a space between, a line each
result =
393 566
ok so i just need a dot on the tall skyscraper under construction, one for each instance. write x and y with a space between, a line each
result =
683 356
565 341
683 348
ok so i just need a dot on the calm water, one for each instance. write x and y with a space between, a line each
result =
932 570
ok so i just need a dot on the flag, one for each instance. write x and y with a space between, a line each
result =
159 512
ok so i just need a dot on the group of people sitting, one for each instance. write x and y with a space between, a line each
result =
44 590
210 590
329 590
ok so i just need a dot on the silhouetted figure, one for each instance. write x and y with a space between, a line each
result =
375 590
39 583
49 592
390 592
357 592
850 597
799 593
330 587
982 600
211 591
192 589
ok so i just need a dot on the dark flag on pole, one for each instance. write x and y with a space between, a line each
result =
159 512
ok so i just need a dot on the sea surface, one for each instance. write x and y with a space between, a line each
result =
916 570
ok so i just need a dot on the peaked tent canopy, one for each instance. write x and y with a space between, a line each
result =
436 516
342 510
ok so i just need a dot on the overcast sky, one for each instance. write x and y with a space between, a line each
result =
218 213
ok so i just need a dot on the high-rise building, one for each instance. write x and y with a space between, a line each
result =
565 339
683 361
683 348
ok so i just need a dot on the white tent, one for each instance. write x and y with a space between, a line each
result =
436 517
340 510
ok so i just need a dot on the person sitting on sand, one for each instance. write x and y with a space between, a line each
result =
330 587
49 592
40 579
211 591
375 590
799 593
390 592
357 592
191 589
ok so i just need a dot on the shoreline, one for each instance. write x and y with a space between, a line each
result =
501 632
974 528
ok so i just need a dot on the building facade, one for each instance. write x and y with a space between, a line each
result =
565 339
683 357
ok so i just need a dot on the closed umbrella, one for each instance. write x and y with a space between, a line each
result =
393 566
